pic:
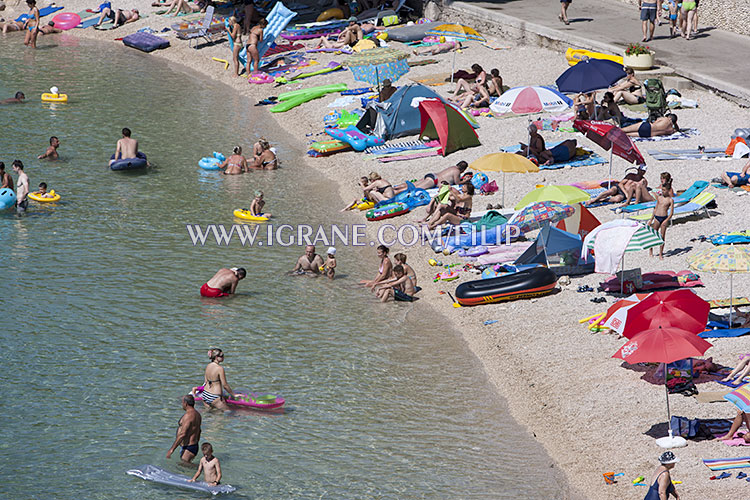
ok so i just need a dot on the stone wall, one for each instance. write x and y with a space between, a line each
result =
730 15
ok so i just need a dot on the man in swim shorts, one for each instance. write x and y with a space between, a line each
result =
648 18
560 153
664 125
127 147
17 99
223 283
451 175
51 153
188 431
22 187
733 179
310 263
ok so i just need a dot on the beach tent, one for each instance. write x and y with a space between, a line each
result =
551 241
396 117
443 122
582 221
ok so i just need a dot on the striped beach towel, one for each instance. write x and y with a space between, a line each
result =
396 147
412 156
727 463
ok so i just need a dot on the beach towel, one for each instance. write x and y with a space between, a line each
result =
280 48
727 463
711 397
686 154
342 50
682 134
423 62
405 152
717 427
609 250
723 333
737 439
736 301
412 156
397 147
504 253
659 280
577 161
44 11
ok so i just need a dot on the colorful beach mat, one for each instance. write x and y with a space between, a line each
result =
727 463
682 134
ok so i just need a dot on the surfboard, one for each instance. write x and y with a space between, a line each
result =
161 476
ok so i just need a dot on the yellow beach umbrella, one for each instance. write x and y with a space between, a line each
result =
457 31
723 259
570 195
504 162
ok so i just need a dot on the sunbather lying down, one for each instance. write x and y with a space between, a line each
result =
440 48
538 151
665 125
633 186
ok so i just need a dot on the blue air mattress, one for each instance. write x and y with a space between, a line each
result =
145 42
129 163
159 475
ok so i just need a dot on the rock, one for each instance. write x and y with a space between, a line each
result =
2 6
432 11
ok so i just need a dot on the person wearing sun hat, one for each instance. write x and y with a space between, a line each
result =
662 485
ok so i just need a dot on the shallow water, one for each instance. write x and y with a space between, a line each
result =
104 329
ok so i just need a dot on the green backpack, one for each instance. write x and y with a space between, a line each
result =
656 98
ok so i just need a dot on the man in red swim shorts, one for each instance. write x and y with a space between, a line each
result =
223 283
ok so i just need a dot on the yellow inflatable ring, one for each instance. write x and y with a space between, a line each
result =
37 197
246 215
55 97
367 205
334 13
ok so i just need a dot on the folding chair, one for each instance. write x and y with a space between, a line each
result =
203 32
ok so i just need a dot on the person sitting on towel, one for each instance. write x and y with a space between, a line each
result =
736 424
558 154
451 175
733 179
664 125
347 38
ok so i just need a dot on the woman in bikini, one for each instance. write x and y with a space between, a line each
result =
255 37
479 81
630 89
264 158
234 31
32 24
378 189
385 270
462 210
662 214
215 382
235 164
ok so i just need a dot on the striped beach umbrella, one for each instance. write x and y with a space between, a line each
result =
643 238
722 259
521 100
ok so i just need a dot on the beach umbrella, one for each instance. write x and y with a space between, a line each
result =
681 308
564 194
457 32
663 345
522 100
617 312
723 259
612 139
638 236
375 65
590 75
538 214
504 162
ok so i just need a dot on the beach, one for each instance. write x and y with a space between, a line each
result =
559 380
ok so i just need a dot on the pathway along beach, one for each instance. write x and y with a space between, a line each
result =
560 381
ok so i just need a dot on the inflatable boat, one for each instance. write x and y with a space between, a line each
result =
521 285
129 163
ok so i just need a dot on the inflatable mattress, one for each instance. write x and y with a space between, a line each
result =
159 475
145 42
411 33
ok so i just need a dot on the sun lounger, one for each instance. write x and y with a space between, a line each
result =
686 154
690 193
697 204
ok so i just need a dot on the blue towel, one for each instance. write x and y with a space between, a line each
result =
578 161
726 332
45 11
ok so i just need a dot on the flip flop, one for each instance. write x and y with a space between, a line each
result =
741 475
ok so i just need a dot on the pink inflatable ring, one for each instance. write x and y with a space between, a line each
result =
66 21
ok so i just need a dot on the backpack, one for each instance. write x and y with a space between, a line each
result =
656 98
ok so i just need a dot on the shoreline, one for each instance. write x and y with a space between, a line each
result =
565 409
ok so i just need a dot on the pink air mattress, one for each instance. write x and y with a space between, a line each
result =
255 400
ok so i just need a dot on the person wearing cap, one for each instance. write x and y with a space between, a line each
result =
330 266
662 486
348 37
223 283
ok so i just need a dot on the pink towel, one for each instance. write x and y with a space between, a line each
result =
736 440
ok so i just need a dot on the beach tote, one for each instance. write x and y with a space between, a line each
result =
488 188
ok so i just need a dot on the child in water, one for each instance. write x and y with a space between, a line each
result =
662 214
256 207
209 465
408 270
329 269
400 288
43 191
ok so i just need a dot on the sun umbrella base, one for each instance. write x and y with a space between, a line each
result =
672 442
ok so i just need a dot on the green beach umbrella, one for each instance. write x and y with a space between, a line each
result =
570 195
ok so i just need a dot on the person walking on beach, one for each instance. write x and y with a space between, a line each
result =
687 25
310 263
32 24
223 283
662 214
648 18
662 485
563 16
51 153
215 382
188 431
22 187
127 147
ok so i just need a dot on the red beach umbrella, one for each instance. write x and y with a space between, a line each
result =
663 345
679 308
612 139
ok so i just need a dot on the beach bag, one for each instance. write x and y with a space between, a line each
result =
685 427
479 180
656 98
488 188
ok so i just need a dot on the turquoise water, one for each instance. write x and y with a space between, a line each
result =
104 330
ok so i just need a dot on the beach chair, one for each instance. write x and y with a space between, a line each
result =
203 32
694 206
697 188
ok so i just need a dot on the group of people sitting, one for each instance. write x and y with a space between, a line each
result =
348 37
264 158
31 25
537 150
479 93
398 283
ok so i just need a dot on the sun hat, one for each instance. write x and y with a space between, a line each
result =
668 458
352 19
331 251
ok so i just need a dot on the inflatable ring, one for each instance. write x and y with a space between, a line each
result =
66 20
7 198
39 198
334 13
209 163
55 97
246 215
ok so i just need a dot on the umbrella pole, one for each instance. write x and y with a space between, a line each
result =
453 66
669 414
622 274
609 179
731 300
503 202
377 79
528 141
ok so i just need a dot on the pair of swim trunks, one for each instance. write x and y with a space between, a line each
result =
207 291
648 11
644 130
433 178
688 6
560 153
400 296
21 206
192 448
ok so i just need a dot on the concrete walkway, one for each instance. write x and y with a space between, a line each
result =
714 58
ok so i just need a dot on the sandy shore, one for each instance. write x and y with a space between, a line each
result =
560 381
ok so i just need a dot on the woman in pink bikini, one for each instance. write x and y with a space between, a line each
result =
384 271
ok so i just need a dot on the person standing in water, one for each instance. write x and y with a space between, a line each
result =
6 181
32 24
209 465
22 187
51 153
215 382
223 283
127 147
188 431
310 263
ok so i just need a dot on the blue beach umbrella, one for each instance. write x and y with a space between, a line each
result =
590 75
375 65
